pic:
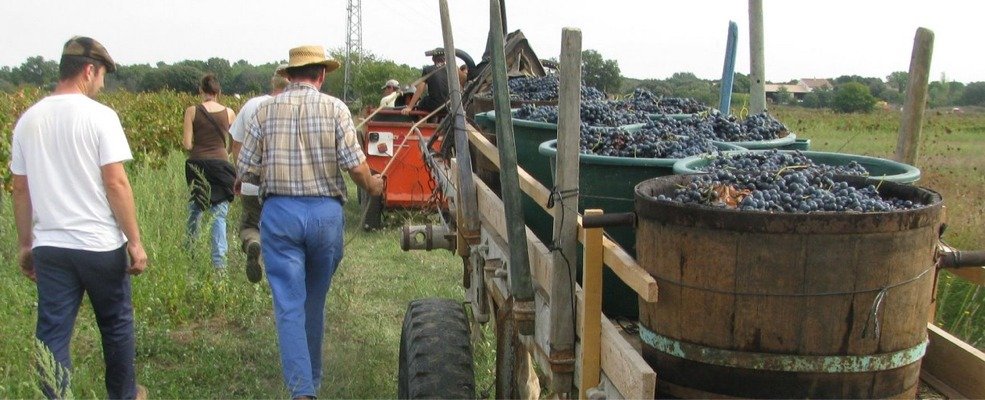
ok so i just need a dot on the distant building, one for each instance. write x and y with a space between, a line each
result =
799 89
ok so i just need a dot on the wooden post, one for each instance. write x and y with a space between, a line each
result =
521 287
565 256
469 226
728 70
916 97
757 59
591 315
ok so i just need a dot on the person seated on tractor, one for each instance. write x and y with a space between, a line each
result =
390 93
433 82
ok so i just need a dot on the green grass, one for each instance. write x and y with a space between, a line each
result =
204 335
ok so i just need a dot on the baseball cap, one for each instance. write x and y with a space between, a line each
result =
391 83
81 46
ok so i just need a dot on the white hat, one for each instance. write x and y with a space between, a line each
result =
391 83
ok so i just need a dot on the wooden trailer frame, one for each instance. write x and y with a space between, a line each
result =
605 361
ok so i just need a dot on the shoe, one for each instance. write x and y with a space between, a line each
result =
141 393
254 271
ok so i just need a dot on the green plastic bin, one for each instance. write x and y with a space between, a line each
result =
879 168
798 144
527 135
788 140
608 183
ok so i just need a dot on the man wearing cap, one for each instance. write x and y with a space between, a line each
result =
390 93
296 146
433 82
249 231
76 219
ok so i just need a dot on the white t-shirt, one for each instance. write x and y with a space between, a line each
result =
238 129
60 144
389 100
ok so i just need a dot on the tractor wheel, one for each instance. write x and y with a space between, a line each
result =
372 210
435 352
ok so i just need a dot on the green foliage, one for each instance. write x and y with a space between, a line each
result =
853 97
36 71
598 72
819 98
741 83
373 74
973 95
898 80
179 77
783 96
943 92
52 373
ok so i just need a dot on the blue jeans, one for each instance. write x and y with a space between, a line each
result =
64 275
301 241
219 244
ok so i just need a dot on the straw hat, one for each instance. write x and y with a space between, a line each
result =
307 55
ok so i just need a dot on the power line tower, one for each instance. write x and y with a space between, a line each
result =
353 44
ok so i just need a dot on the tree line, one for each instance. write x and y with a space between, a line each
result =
851 93
239 77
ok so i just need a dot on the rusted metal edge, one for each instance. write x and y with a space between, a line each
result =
562 361
783 362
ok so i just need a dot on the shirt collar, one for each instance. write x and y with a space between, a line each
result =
300 85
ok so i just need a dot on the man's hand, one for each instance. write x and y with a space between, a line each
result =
406 110
375 185
138 258
238 187
26 260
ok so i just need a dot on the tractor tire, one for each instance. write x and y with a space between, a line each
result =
435 352
372 210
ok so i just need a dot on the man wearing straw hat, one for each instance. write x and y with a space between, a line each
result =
249 226
295 149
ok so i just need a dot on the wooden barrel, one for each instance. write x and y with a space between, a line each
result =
783 305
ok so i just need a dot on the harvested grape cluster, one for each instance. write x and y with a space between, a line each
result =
536 88
726 128
545 88
593 112
775 161
795 191
646 101
642 143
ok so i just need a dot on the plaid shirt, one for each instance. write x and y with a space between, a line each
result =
298 143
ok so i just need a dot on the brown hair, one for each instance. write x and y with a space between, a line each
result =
210 85
71 66
310 71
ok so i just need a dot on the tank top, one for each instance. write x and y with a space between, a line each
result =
207 142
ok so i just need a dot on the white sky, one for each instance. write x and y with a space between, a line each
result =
649 39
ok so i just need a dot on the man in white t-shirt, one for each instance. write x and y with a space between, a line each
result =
390 93
76 219
249 230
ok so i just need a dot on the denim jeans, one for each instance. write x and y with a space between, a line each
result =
219 244
64 275
301 239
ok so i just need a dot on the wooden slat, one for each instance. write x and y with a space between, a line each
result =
540 258
959 365
614 256
620 361
591 312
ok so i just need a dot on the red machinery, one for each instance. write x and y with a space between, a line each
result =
392 144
